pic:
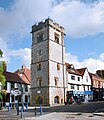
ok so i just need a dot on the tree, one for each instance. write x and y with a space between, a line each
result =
1 53
2 77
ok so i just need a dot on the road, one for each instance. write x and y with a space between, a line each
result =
84 108
73 112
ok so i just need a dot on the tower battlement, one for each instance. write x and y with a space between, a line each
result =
47 22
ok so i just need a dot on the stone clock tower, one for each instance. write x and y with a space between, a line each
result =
47 64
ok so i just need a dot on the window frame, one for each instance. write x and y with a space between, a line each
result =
56 81
56 37
40 37
58 66
72 77
39 81
78 78
72 86
38 66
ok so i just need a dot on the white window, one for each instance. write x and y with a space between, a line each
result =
72 77
86 78
72 86
78 78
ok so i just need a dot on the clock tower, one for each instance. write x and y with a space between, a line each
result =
47 64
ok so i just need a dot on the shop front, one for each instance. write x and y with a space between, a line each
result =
75 96
88 96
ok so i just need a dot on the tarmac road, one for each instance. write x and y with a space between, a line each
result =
66 112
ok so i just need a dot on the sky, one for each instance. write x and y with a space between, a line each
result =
83 21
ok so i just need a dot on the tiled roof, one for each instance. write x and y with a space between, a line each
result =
24 72
13 77
82 70
95 76
72 70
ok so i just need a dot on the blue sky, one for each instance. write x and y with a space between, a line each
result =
83 21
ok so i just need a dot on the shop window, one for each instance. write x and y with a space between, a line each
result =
72 77
56 38
38 66
58 66
39 37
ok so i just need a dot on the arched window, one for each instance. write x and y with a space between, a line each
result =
56 99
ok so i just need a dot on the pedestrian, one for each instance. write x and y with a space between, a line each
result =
70 100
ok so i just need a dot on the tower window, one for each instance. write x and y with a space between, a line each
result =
56 38
38 66
56 81
39 81
39 37
58 66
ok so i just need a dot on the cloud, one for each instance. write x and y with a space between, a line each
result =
4 48
102 57
79 18
91 63
24 55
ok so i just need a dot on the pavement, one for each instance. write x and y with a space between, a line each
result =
99 112
30 115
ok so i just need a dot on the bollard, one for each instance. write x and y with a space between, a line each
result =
35 111
22 112
40 109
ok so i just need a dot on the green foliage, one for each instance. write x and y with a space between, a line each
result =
2 68
1 94
1 53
